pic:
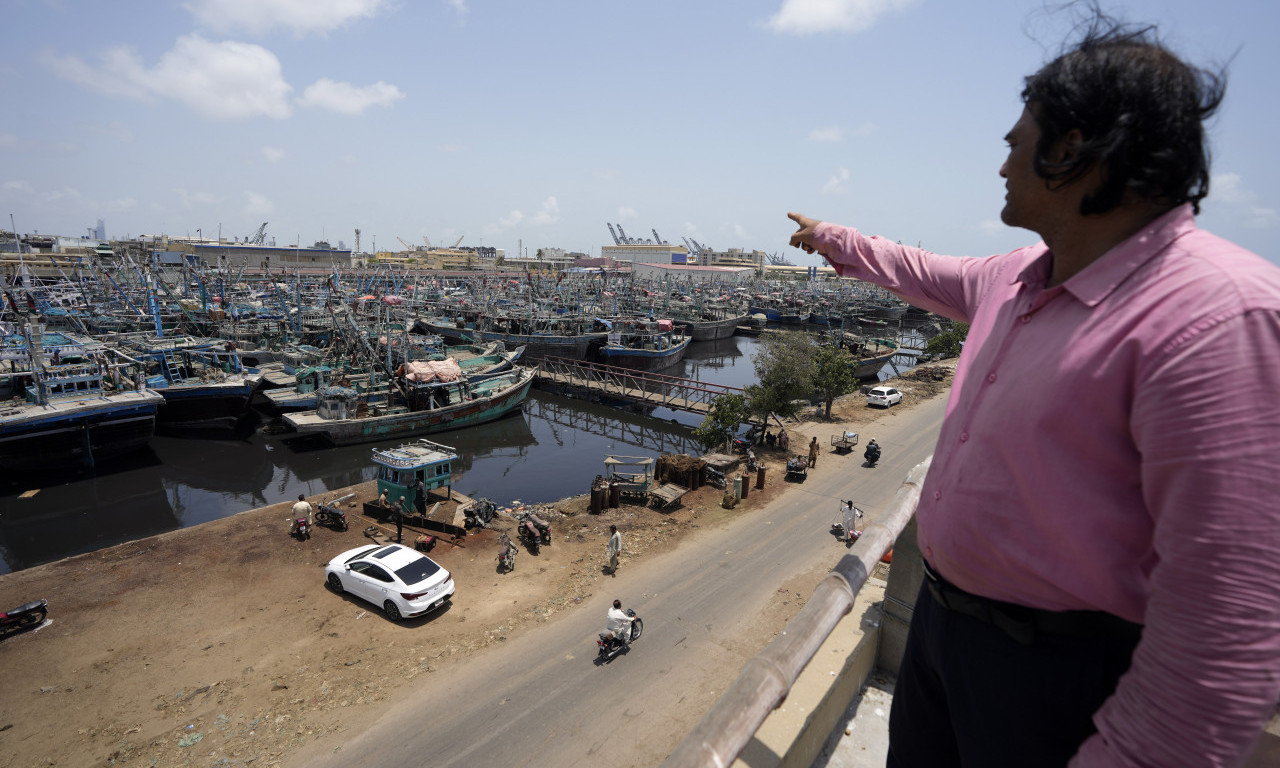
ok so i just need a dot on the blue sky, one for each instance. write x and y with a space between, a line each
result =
537 122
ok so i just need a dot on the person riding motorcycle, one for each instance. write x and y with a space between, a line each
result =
873 451
618 623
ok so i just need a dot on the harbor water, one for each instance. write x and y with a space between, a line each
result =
551 450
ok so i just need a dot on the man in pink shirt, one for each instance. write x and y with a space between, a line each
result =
1101 522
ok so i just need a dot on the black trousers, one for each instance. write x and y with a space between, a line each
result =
969 694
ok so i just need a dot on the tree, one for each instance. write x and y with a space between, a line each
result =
948 344
833 374
721 422
784 375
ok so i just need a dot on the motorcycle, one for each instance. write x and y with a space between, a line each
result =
609 646
330 513
533 530
872 454
301 528
24 616
752 463
507 557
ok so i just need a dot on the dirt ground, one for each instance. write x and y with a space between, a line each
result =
219 645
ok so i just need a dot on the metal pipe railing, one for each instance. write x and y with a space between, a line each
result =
765 680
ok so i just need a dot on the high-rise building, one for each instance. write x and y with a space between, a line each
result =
100 231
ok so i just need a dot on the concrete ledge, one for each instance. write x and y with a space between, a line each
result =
794 733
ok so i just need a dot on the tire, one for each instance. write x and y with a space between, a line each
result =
392 610
32 619
637 629
335 583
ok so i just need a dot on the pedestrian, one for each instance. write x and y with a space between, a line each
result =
813 452
613 548
784 440
1099 533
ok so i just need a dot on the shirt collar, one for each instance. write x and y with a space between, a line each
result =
1095 282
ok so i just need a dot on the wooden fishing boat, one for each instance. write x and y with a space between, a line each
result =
343 417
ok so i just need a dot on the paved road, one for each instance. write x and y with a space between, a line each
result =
542 700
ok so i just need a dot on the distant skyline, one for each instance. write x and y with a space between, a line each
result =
539 123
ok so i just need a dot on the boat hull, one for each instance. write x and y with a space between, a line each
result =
644 359
710 330
77 434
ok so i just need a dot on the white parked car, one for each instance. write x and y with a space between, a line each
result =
402 581
885 396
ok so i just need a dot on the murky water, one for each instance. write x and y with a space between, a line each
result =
552 450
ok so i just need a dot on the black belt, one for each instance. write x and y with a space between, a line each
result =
1024 624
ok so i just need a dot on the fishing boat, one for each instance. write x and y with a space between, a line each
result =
203 381
643 345
472 361
344 417
77 411
541 336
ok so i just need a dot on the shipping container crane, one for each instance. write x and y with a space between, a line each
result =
455 245
257 237
616 241
657 240
626 240
407 247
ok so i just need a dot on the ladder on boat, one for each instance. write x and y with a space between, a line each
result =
172 368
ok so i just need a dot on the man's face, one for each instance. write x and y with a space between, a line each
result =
1028 202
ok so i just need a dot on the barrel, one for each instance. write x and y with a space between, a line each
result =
615 495
737 486
760 477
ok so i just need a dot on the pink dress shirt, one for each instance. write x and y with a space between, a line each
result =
1113 443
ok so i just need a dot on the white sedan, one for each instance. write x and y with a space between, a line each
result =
401 580
885 396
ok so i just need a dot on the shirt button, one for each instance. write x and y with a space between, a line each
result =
1026 319
991 377
937 495
964 437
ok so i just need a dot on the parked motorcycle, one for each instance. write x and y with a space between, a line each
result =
752 463
609 646
330 513
24 616
533 530
507 556
301 528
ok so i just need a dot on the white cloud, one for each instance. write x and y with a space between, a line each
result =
192 200
257 204
301 16
829 134
348 99
836 184
510 220
121 204
803 17
460 6
1240 201
226 80
17 187
273 154
548 213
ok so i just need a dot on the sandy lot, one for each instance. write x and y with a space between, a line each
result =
220 646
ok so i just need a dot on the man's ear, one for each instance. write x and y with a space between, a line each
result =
1068 147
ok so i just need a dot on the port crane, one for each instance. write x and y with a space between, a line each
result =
657 240
616 241
258 237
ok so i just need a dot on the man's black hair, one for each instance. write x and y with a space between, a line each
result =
1140 109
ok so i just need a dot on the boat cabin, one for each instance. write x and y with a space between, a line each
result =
413 470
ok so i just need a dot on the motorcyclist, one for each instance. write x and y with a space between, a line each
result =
618 623
873 451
